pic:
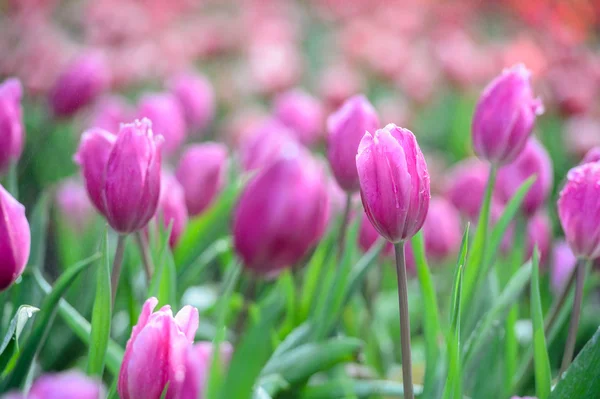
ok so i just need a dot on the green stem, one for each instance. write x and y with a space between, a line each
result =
344 226
575 316
117 265
144 251
404 321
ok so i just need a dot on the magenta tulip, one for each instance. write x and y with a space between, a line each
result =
155 354
468 176
346 127
110 112
171 207
66 385
302 113
11 123
15 239
281 214
394 183
196 98
593 155
202 172
197 367
74 205
442 230
266 144
504 116
539 234
563 265
167 118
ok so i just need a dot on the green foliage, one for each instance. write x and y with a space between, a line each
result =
543 377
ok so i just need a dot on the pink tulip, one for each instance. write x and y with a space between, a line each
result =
171 207
302 113
167 118
539 234
197 367
110 112
66 385
563 264
74 205
442 230
593 155
468 176
11 123
269 142
15 239
196 98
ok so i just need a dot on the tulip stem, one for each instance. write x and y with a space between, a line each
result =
404 321
117 265
144 251
344 225
575 316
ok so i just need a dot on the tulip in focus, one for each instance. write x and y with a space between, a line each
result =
66 385
504 116
15 239
196 98
171 207
167 118
202 172
155 353
74 205
578 208
302 113
346 127
281 214
563 264
394 183
269 142
442 230
79 85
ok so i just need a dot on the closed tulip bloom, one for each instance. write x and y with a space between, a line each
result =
132 177
593 155
563 264
92 156
11 122
504 116
74 205
202 172
281 214
442 230
539 234
346 127
171 207
394 183
66 385
15 239
167 118
468 176
196 98
302 113
266 145
80 84
532 161
155 353
197 368
579 210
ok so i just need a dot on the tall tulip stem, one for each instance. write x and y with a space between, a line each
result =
575 316
344 225
145 252
117 265
404 321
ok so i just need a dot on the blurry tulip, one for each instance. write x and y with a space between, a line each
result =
578 210
66 385
274 66
167 118
79 85
74 205
468 176
592 155
266 144
581 134
338 83
15 239
11 123
132 177
563 264
442 230
202 172
196 98
302 113
504 116
539 234
155 353
337 198
394 183
92 156
532 161
281 214
574 83
110 112
171 207
346 127
197 367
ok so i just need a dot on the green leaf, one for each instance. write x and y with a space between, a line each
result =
39 227
42 325
511 293
291 341
543 377
299 364
9 349
101 314
582 378
342 389
193 274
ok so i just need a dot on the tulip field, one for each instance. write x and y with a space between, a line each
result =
285 199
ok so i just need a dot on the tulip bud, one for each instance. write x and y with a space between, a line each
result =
197 367
346 127
11 122
202 172
196 98
563 264
504 116
110 113
539 234
468 176
155 353
80 84
532 161
302 113
15 239
167 118
267 144
442 230
281 214
66 385
132 177
171 207
74 205
593 155
92 156
578 205
394 183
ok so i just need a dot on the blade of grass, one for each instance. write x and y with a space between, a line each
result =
453 388
543 378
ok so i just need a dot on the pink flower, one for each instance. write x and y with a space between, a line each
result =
167 117
11 123
442 230
302 113
15 239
